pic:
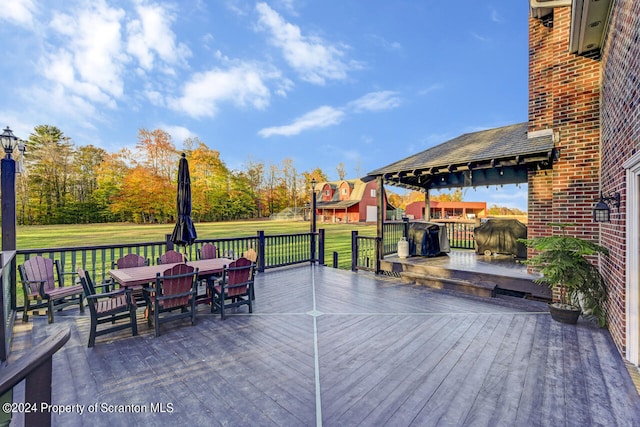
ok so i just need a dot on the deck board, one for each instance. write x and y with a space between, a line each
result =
388 353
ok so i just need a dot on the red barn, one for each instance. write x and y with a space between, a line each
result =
350 200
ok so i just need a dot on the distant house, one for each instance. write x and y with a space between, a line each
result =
448 210
350 200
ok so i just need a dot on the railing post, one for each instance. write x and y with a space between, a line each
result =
8 210
37 389
335 259
8 277
379 253
261 246
354 250
405 229
8 203
321 246
313 246
381 202
313 229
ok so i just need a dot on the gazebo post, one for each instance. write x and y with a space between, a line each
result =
427 205
380 223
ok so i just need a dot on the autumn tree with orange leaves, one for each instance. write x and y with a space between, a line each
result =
88 184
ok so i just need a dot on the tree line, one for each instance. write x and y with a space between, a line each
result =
62 183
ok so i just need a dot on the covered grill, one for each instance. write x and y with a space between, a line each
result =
427 239
500 235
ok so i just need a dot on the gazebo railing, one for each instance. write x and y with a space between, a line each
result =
460 233
363 252
363 248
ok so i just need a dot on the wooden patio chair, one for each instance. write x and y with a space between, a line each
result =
39 276
108 307
171 257
208 251
236 286
131 261
251 255
174 289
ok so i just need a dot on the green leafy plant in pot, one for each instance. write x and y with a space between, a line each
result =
562 261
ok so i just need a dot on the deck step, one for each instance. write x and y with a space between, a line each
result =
480 288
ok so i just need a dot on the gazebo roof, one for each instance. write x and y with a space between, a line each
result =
489 157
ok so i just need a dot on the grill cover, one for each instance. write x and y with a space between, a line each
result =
424 239
500 235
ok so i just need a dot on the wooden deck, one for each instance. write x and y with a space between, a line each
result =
336 348
467 269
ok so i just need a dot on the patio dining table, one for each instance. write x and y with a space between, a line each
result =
137 277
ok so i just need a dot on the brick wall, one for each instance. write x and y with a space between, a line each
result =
564 95
620 139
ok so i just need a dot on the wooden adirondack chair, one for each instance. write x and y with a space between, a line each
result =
39 277
236 285
174 289
251 255
208 251
171 257
108 307
131 260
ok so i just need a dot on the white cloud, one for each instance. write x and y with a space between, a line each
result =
72 107
386 44
91 62
315 60
433 87
376 101
155 98
479 37
242 85
319 118
93 55
495 16
18 12
326 116
151 36
178 133
288 5
16 123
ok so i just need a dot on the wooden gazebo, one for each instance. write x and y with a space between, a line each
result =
496 156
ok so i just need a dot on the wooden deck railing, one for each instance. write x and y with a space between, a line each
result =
272 251
36 368
7 300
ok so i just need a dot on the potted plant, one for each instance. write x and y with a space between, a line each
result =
562 261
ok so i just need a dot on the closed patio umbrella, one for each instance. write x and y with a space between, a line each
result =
184 232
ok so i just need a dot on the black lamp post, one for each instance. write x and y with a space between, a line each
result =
8 171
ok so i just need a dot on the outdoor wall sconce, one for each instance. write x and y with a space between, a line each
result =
602 212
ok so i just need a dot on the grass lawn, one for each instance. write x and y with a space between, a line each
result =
338 236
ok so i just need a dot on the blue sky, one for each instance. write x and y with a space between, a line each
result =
365 83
